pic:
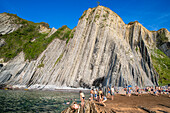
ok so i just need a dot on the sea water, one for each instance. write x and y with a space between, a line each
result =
36 101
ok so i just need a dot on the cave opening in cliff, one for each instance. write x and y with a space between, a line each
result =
98 81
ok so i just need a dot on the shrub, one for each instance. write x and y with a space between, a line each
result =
162 65
21 40
41 65
97 16
161 38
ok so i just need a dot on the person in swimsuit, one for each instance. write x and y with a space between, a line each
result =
169 91
156 91
100 93
152 90
95 94
104 99
108 92
136 90
113 92
82 98
91 95
129 91
159 90
75 106
149 90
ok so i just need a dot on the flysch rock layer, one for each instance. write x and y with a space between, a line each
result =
104 51
7 24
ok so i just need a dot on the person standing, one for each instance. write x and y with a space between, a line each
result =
169 90
95 94
129 91
82 98
100 93
137 91
108 92
113 92
152 90
91 95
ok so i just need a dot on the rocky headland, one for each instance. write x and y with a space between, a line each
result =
102 50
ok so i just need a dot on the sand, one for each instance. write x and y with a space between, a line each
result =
136 104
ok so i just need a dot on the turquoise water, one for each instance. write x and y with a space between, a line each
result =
35 101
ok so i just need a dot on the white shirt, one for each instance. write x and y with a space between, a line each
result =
113 90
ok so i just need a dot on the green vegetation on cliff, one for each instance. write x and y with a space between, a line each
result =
28 39
17 40
162 65
161 38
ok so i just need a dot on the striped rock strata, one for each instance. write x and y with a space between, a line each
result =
104 50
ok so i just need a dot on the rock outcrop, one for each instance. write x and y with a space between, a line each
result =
53 30
8 24
89 107
165 48
104 51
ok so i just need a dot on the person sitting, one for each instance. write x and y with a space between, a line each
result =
75 106
104 99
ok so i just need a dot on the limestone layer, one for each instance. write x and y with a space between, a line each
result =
104 51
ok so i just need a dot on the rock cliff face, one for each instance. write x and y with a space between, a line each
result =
104 50
8 24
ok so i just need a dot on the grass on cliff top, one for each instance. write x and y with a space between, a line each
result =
162 65
161 38
22 40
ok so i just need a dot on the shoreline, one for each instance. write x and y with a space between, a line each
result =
134 104
38 87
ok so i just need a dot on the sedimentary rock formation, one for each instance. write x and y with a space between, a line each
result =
8 24
104 50
165 48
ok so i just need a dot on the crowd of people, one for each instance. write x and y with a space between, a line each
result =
101 96
98 95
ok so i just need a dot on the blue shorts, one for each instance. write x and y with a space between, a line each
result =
104 98
95 95
108 91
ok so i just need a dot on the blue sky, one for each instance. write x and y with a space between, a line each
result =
152 14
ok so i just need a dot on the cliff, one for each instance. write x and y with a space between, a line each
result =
103 51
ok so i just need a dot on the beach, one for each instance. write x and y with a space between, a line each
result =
136 104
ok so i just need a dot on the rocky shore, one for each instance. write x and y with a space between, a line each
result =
135 104
43 87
